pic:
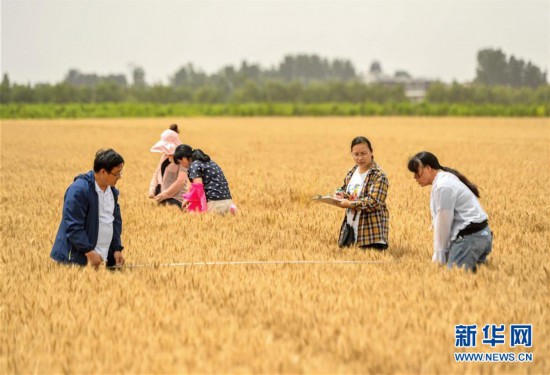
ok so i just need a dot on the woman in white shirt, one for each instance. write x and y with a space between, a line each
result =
462 236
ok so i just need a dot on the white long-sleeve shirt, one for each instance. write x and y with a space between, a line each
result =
453 206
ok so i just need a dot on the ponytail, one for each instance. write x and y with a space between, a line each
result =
463 179
200 155
427 158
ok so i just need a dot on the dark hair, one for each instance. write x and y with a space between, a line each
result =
174 127
107 159
427 158
186 151
358 140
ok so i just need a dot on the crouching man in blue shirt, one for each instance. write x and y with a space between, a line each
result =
90 228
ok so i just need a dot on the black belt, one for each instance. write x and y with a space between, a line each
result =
473 227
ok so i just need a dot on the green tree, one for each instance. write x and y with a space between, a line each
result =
437 93
492 67
161 94
307 68
315 92
5 89
342 70
22 94
63 93
138 77
208 94
188 76
250 92
276 91
458 94
183 94
357 91
534 77
516 72
249 72
109 91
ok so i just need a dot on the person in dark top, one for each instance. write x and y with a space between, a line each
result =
204 171
90 228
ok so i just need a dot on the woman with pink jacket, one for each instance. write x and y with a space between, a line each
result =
169 182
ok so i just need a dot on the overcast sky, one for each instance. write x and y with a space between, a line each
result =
42 40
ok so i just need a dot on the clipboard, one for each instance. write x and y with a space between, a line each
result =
327 199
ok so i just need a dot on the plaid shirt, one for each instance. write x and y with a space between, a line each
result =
371 202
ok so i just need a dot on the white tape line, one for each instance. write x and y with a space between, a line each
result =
259 262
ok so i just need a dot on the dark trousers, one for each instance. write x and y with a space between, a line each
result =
375 246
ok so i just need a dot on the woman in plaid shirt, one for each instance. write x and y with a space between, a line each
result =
363 196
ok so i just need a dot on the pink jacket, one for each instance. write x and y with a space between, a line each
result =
196 198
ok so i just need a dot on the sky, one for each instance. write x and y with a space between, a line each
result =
438 39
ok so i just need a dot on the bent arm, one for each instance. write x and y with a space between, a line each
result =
442 234
341 192
375 198
176 186
443 208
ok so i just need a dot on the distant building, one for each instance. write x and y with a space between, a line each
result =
415 88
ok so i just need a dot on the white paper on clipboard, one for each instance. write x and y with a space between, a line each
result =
327 199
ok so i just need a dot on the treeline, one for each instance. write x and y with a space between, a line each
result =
301 78
286 82
483 94
249 91
270 92
301 84
494 68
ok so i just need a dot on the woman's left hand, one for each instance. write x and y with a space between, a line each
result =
160 197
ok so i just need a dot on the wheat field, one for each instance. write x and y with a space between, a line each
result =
395 315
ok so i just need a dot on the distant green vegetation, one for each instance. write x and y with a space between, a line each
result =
112 110
301 85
